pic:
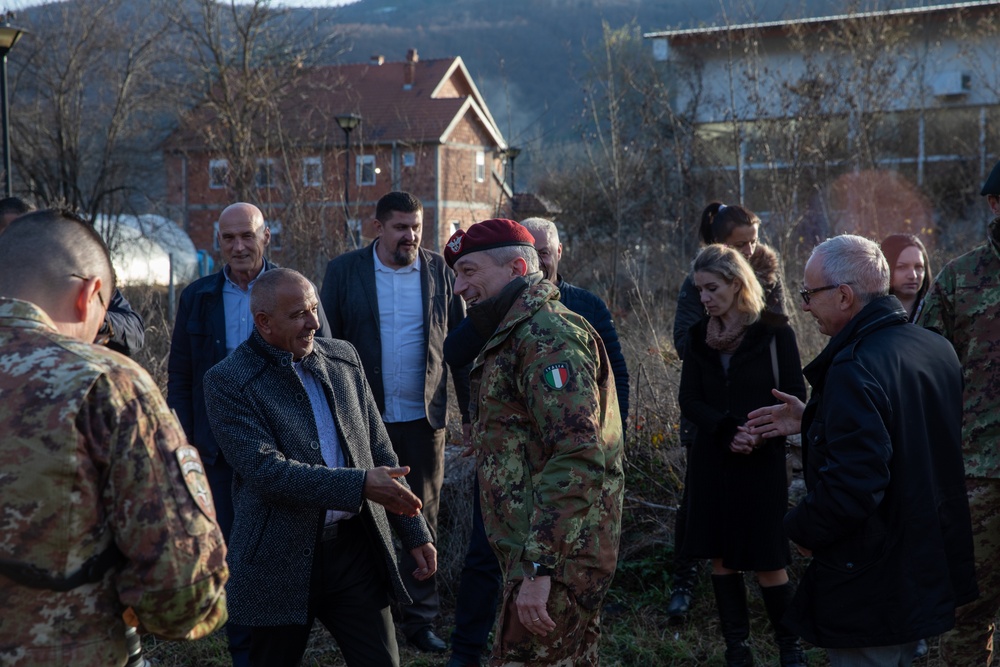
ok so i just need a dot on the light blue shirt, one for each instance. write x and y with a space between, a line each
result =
404 350
236 305
329 442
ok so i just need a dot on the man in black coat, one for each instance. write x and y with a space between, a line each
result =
212 319
314 486
886 518
395 302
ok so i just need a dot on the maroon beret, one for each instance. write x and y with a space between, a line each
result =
495 233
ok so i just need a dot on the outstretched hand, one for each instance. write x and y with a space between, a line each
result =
777 420
381 487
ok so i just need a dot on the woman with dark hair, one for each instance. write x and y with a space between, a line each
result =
738 493
909 280
738 228
909 270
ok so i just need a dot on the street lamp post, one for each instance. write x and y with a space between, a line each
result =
8 38
348 122
512 153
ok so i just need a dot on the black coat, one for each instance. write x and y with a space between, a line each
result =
350 298
886 515
736 501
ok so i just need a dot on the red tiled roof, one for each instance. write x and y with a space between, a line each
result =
390 111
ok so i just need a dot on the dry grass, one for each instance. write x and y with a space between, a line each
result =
636 631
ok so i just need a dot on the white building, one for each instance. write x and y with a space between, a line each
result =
786 110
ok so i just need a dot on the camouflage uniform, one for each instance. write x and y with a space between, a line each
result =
92 458
964 306
548 438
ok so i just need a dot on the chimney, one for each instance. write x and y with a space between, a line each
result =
410 68
378 60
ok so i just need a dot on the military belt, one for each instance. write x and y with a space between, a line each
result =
91 571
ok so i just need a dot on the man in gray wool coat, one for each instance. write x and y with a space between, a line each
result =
316 485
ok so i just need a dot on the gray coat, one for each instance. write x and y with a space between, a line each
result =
263 420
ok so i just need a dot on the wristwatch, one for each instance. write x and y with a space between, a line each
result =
532 570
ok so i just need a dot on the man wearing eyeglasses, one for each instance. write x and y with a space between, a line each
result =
106 506
963 305
885 519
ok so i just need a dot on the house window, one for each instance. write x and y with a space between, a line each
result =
480 166
312 172
409 159
275 227
218 174
265 173
215 237
455 225
366 169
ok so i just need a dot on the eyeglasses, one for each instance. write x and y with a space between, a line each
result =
106 332
807 293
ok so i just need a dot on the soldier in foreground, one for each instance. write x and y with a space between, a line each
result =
963 305
107 509
548 440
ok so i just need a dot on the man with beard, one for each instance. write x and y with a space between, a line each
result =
395 302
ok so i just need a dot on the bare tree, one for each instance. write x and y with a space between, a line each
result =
252 64
87 105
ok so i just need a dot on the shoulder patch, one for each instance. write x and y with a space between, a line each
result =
193 473
556 375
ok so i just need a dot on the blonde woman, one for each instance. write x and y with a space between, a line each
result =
736 481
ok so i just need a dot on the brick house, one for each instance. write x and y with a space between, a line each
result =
424 128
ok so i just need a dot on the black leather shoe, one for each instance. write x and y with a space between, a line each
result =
425 640
680 605
458 661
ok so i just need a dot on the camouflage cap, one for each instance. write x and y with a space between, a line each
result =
992 184
495 233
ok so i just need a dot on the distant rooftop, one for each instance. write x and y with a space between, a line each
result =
819 20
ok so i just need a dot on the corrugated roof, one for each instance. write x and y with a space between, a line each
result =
764 25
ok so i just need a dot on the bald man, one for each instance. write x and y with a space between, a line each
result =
213 318
112 505
316 487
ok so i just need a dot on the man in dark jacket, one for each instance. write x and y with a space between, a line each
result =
886 518
315 486
213 318
395 302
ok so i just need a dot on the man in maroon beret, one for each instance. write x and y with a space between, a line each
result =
548 440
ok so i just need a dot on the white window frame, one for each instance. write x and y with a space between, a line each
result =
218 167
312 172
365 167
275 227
480 166
268 163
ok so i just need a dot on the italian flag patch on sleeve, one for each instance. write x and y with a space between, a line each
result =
556 375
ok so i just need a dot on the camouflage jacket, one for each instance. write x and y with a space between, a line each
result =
91 457
964 306
548 440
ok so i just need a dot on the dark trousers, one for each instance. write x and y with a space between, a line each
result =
220 480
419 445
349 595
478 591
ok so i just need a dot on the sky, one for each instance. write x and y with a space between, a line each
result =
14 5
